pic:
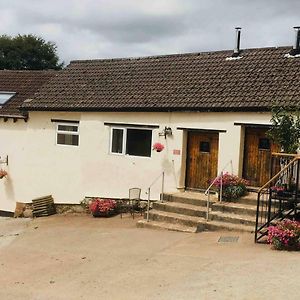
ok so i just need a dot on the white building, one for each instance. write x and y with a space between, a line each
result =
90 129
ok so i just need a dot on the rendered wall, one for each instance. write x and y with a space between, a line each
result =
37 166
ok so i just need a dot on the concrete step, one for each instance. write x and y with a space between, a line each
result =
173 218
217 225
192 198
235 208
233 218
249 199
181 208
166 226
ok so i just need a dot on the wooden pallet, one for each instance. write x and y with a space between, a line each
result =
43 206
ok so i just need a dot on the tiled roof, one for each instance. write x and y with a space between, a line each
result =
25 84
195 81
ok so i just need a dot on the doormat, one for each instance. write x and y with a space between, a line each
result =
228 239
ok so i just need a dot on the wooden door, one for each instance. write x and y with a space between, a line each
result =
257 156
202 159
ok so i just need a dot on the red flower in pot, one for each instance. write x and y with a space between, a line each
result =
158 147
103 207
3 173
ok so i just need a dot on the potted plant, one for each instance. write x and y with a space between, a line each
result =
279 189
103 207
3 173
158 147
233 187
285 235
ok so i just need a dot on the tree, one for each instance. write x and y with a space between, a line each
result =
28 52
285 129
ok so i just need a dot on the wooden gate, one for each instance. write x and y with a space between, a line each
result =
257 156
202 159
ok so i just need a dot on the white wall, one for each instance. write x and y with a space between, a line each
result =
37 166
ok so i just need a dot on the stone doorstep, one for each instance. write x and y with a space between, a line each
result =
235 208
188 209
216 225
221 221
233 218
198 199
167 226
173 218
181 208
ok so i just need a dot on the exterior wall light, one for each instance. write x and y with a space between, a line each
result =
166 131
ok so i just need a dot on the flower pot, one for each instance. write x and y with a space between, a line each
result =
106 214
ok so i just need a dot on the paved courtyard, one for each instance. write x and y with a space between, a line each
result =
80 257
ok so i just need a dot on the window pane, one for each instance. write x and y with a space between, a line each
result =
139 142
205 147
5 97
117 141
264 143
67 139
68 128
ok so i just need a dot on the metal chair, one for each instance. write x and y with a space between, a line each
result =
133 202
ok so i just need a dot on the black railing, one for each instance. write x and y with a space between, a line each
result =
279 198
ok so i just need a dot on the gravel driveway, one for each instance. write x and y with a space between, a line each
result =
80 257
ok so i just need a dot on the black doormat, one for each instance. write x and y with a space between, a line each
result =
228 239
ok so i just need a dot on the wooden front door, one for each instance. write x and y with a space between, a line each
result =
202 159
257 156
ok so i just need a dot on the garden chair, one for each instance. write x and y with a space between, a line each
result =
133 202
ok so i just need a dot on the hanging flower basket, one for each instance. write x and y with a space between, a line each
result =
158 147
3 173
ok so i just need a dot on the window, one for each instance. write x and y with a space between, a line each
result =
67 134
131 141
5 96
205 147
264 144
117 140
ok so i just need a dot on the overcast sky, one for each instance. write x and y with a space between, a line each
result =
84 29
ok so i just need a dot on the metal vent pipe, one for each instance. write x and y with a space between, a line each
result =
297 38
236 50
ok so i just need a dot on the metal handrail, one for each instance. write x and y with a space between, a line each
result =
279 173
162 175
265 194
216 178
207 192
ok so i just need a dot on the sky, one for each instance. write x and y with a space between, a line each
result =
88 29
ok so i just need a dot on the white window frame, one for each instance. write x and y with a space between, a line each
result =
67 133
125 139
10 94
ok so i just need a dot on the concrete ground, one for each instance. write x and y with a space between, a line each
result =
81 257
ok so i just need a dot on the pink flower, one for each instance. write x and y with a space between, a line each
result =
102 205
2 173
285 235
158 147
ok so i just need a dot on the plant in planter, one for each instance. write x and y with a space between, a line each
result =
285 189
158 147
3 173
103 207
285 235
233 187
